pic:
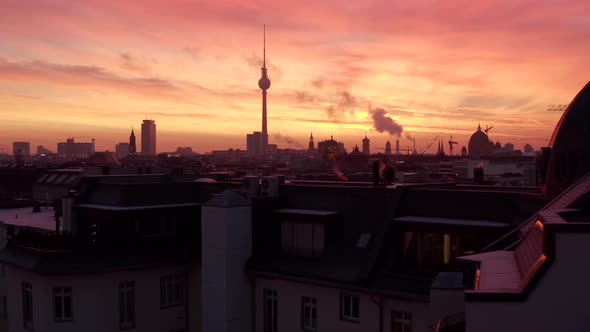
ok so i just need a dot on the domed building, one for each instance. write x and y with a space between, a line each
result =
567 158
479 144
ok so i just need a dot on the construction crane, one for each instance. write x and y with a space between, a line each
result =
556 107
430 144
488 129
451 143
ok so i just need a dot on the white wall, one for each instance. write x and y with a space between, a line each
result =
560 302
226 235
328 308
420 311
95 301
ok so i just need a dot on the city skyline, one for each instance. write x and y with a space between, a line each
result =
332 66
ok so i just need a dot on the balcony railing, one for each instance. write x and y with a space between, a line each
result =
451 323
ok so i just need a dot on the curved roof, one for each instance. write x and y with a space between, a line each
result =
479 143
570 145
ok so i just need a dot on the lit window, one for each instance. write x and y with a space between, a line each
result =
127 305
270 311
27 305
349 307
62 304
171 291
302 239
309 314
401 321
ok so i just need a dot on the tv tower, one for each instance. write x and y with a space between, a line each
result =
264 84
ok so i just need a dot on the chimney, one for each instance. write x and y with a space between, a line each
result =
478 175
376 175
226 235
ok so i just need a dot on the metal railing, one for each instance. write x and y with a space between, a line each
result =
453 322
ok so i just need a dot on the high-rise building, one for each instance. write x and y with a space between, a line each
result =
528 148
254 144
21 148
311 145
132 147
122 150
366 146
397 147
148 138
388 149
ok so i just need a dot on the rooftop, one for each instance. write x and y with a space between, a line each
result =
451 222
25 217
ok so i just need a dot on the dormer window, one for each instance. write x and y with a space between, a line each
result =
303 232
302 239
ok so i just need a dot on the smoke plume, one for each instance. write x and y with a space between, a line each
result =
346 104
255 61
382 122
408 136
304 96
287 139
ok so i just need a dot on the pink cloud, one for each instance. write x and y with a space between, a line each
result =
423 56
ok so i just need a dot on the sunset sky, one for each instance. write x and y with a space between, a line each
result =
94 68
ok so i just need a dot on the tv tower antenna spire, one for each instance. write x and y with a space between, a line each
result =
264 84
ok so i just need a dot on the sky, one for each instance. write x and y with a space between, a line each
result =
396 69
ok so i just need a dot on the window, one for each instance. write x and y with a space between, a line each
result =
349 307
127 305
302 239
62 304
309 314
171 291
429 250
401 321
270 311
27 305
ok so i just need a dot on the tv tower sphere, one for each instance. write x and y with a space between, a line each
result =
264 83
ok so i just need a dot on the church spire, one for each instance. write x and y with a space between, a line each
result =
132 147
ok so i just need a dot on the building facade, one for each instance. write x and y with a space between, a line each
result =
21 148
122 150
75 150
148 138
